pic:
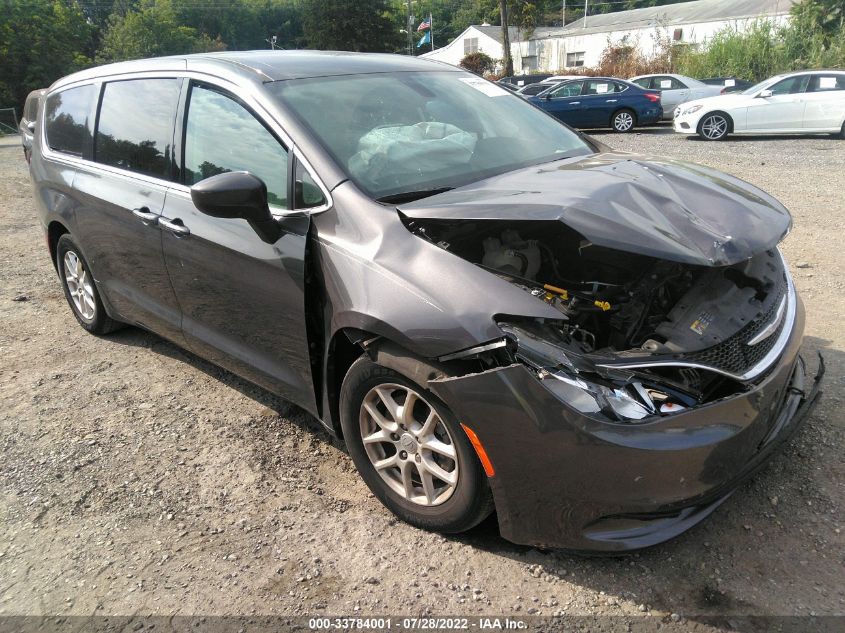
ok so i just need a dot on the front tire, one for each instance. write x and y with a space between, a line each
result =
714 126
80 288
623 121
410 451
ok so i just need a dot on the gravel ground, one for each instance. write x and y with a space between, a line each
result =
139 479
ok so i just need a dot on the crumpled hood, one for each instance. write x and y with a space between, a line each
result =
640 204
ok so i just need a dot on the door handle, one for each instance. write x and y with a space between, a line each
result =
574 103
175 226
145 214
611 101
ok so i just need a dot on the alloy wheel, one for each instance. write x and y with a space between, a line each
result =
714 127
408 444
623 121
79 286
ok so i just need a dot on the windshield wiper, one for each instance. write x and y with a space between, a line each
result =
410 196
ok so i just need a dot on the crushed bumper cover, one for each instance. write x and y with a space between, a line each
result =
563 479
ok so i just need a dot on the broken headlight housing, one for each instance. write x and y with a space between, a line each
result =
576 380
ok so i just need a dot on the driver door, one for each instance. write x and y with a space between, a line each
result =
784 110
242 298
564 103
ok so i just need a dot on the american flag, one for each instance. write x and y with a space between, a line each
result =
424 25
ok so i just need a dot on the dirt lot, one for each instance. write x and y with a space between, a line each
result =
136 478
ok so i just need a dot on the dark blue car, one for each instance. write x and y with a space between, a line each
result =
595 102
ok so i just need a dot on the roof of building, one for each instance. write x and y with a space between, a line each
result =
684 13
700 11
496 32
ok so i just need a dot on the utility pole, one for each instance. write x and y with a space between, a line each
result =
586 8
563 14
409 25
506 40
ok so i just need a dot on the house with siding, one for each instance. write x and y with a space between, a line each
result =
581 43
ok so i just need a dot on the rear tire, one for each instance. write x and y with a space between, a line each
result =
841 133
714 126
372 405
623 121
80 288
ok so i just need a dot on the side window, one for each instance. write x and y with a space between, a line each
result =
135 126
66 119
645 82
826 83
678 85
570 89
599 87
221 135
306 192
791 85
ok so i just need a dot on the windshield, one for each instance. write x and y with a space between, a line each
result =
405 132
758 87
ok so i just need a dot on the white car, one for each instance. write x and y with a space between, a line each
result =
675 90
808 102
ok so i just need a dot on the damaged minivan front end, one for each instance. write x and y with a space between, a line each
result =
671 369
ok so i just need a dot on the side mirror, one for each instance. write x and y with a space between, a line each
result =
237 195
31 126
765 94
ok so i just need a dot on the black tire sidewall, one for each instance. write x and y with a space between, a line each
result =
98 323
469 503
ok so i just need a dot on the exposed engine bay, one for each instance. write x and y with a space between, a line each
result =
619 305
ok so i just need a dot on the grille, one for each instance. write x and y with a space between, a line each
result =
734 355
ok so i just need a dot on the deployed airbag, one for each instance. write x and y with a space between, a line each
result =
388 151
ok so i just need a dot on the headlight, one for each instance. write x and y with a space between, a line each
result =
692 110
574 379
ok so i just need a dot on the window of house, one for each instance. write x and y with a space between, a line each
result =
574 59
67 115
221 135
470 45
135 126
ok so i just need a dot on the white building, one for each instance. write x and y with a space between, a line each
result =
477 38
582 42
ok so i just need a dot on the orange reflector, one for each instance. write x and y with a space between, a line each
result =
479 450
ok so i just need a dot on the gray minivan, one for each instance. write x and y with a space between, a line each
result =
492 310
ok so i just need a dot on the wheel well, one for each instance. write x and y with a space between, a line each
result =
342 352
54 231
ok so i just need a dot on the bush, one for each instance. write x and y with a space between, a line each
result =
478 63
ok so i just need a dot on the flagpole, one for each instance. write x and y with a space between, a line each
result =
431 28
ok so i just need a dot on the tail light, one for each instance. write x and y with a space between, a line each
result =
652 96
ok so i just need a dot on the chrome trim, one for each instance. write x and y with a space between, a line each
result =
756 370
486 347
767 331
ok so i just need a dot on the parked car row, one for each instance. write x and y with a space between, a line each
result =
794 103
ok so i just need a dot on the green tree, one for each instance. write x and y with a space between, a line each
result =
151 30
363 25
40 41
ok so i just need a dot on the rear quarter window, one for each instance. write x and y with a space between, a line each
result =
67 116
135 126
